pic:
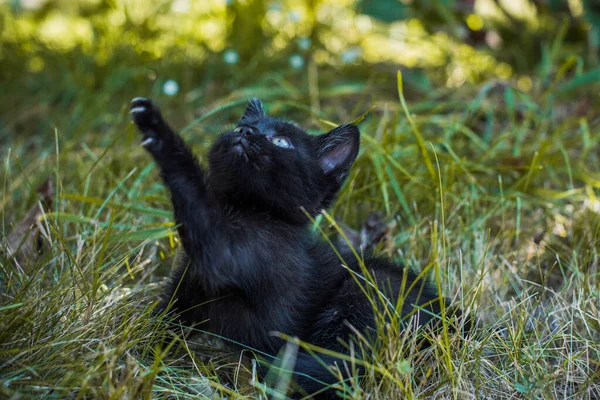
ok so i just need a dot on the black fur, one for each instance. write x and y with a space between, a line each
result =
251 265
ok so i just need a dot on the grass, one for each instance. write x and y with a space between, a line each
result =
491 190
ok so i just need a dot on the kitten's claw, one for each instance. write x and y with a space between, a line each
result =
141 105
148 141
139 100
137 110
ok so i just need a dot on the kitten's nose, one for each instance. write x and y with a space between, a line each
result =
245 131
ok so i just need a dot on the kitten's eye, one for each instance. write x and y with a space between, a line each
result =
281 142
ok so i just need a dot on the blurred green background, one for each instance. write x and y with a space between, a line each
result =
89 54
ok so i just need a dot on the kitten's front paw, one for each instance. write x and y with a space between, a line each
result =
149 121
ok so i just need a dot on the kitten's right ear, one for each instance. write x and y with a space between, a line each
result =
254 111
337 150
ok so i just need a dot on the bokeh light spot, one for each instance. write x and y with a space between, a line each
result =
474 22
231 56
296 61
170 87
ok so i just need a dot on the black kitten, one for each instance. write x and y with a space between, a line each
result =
251 265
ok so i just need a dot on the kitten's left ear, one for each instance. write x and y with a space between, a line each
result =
337 150
254 111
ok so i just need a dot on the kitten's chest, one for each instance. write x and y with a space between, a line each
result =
264 235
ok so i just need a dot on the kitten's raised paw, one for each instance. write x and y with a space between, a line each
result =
148 120
144 114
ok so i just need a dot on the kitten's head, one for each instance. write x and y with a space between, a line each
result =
274 166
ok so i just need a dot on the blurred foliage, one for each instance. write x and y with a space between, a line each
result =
85 56
458 41
517 31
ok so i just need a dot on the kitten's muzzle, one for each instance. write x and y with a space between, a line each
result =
245 131
251 145
247 146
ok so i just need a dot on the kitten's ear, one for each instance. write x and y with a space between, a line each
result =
254 111
337 150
